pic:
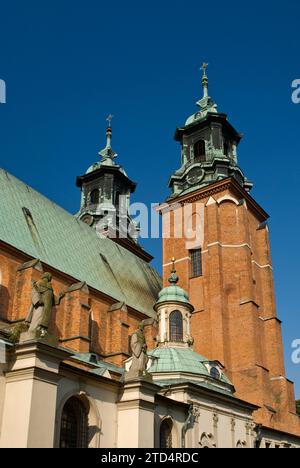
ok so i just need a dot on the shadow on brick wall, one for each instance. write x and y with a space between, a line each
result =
4 302
94 333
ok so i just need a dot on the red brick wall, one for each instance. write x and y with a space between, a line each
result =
85 321
235 313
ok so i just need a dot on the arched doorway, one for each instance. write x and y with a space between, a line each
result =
74 425
165 436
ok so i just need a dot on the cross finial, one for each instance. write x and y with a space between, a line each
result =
109 119
107 153
173 278
204 68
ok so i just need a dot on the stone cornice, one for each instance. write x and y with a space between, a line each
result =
217 187
197 390
70 370
136 404
31 373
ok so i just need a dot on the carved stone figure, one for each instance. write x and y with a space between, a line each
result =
139 354
43 300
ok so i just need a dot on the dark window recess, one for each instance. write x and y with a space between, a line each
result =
95 197
166 435
215 373
93 358
199 151
117 200
74 425
226 148
91 326
196 263
176 326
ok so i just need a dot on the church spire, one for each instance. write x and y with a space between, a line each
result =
206 103
107 154
204 80
208 148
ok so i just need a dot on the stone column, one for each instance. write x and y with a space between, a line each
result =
136 410
29 407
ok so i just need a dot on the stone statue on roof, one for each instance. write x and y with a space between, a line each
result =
138 346
42 302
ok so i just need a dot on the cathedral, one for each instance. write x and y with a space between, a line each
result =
93 339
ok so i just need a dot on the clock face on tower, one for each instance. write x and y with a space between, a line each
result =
195 175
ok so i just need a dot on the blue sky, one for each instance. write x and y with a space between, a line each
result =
68 64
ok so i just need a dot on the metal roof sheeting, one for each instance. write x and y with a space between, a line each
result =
38 227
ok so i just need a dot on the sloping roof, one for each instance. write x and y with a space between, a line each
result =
85 357
38 227
170 360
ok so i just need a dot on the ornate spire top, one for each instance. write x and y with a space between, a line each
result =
173 279
204 80
203 68
206 103
107 154
109 119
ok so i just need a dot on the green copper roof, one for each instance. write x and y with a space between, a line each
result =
183 360
40 228
203 384
173 294
102 365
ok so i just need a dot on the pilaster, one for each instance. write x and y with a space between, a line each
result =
31 381
136 409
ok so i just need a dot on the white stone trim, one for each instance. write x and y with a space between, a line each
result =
177 261
211 201
262 266
227 198
232 246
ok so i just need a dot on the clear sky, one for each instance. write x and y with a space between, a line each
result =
68 64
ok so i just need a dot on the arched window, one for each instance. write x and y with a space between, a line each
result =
176 326
74 425
199 151
95 197
166 434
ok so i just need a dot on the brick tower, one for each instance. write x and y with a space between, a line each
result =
228 270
